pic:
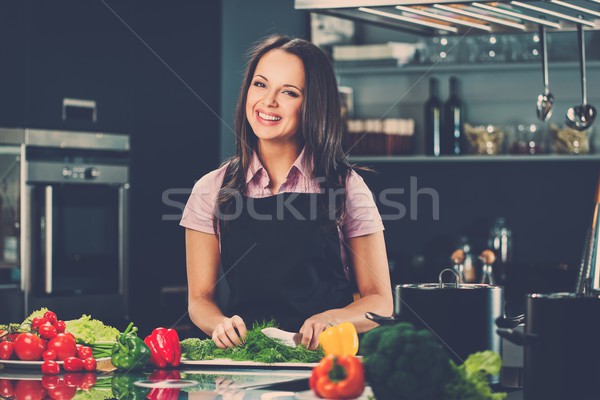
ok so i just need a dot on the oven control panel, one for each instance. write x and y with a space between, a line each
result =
53 172
80 173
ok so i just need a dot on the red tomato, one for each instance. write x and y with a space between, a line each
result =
29 390
50 316
64 345
6 350
74 379
89 380
47 331
73 364
62 391
29 347
50 381
50 367
60 326
89 364
84 352
37 321
49 355
70 334
7 389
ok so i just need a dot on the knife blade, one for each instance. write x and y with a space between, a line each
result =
291 339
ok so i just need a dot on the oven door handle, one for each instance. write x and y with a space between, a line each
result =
49 231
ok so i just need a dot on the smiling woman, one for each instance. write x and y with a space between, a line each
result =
292 225
275 96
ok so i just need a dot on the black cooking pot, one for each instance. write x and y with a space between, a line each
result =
461 316
562 346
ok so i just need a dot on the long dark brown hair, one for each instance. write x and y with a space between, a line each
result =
321 126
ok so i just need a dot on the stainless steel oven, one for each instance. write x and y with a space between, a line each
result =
67 246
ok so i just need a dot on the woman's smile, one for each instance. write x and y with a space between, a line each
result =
268 119
275 96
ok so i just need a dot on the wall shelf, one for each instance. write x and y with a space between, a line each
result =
461 17
446 67
477 158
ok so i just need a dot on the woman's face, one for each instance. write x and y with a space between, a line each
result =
275 96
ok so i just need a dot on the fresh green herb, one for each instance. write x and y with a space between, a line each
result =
88 330
257 347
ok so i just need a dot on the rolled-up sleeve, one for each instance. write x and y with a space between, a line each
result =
362 216
199 209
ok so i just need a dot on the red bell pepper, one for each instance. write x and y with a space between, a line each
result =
165 350
338 377
164 393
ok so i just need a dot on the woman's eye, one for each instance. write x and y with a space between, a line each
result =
259 84
290 93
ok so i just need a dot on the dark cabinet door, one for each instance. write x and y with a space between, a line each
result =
65 49
13 63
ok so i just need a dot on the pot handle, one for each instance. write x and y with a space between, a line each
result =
381 320
510 322
517 337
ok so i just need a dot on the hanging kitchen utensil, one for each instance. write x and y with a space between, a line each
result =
545 100
461 316
588 280
582 116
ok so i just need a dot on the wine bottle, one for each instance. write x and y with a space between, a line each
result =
433 119
452 121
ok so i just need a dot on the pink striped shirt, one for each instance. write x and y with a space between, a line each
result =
361 215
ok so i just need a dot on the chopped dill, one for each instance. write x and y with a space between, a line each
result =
257 347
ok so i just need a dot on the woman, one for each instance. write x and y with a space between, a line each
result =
284 214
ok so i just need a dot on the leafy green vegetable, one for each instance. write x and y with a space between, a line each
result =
257 347
94 394
88 330
402 362
470 379
36 314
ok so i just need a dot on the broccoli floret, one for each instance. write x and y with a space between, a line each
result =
402 362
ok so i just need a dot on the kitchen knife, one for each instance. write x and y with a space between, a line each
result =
290 339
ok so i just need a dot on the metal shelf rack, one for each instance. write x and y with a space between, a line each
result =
460 17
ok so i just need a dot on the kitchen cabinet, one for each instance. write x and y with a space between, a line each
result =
64 49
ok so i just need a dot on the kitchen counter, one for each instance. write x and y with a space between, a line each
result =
184 383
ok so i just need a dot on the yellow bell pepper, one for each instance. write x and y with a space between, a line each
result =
339 340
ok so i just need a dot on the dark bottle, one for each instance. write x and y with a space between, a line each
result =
452 121
433 120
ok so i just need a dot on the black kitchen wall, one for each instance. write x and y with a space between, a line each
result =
239 33
154 68
175 103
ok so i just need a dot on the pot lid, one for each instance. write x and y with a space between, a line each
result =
561 295
448 285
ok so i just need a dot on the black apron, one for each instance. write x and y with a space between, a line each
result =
281 262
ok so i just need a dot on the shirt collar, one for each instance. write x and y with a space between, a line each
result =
257 168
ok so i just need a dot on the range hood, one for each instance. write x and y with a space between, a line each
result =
459 17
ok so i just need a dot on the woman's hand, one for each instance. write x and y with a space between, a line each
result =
312 327
230 332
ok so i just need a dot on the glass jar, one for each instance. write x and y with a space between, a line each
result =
528 139
485 139
570 141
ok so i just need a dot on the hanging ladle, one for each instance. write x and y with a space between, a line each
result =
545 100
582 116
